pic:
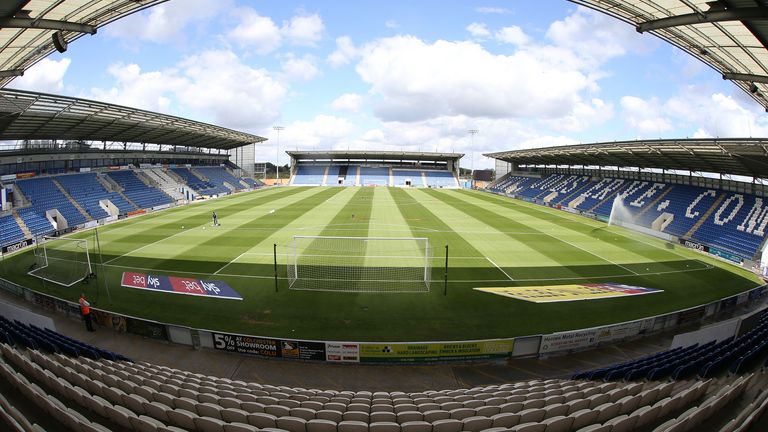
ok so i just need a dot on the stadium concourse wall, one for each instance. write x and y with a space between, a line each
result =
542 345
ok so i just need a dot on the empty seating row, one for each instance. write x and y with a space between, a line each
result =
199 185
441 179
88 192
220 177
731 221
739 354
44 195
10 231
140 193
309 175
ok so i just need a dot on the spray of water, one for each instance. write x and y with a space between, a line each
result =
620 213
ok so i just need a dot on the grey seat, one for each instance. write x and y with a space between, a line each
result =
416 426
447 425
558 424
529 427
326 414
234 415
262 420
209 424
532 415
584 417
182 418
292 424
321 425
382 417
384 427
476 423
505 420
352 426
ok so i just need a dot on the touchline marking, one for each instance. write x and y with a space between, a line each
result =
500 269
227 264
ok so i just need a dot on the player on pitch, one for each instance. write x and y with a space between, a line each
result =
215 219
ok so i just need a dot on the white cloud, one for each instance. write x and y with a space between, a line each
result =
583 116
213 85
644 116
164 22
350 102
478 30
260 32
413 80
594 37
257 32
322 132
299 68
47 76
512 35
492 10
345 52
391 24
134 88
305 30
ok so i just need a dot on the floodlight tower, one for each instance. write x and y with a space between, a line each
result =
277 161
472 133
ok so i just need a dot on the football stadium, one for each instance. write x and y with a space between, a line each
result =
158 275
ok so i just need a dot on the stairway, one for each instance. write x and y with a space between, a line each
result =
705 216
611 196
22 225
147 180
108 183
72 200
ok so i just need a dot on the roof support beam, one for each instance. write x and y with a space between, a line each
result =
46 24
763 79
11 73
736 14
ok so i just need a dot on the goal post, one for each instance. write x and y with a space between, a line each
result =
63 261
359 264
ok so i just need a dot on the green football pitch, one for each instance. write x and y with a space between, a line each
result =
493 242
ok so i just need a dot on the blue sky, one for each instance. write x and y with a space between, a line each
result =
402 75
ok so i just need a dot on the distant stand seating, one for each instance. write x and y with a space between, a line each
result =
370 176
143 195
737 223
200 186
441 179
10 231
402 177
309 175
44 195
49 341
707 361
87 191
219 176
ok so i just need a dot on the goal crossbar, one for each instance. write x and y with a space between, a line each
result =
359 264
65 265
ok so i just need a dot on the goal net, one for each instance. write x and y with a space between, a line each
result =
359 264
62 261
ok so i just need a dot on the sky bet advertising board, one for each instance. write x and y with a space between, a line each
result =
179 285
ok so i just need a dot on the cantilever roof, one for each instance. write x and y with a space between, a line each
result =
728 35
27 27
373 155
28 115
738 156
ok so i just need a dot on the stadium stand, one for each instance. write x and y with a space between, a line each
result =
734 222
10 231
137 191
441 179
401 177
199 185
87 388
87 191
708 360
44 195
370 176
309 175
164 182
219 176
36 224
